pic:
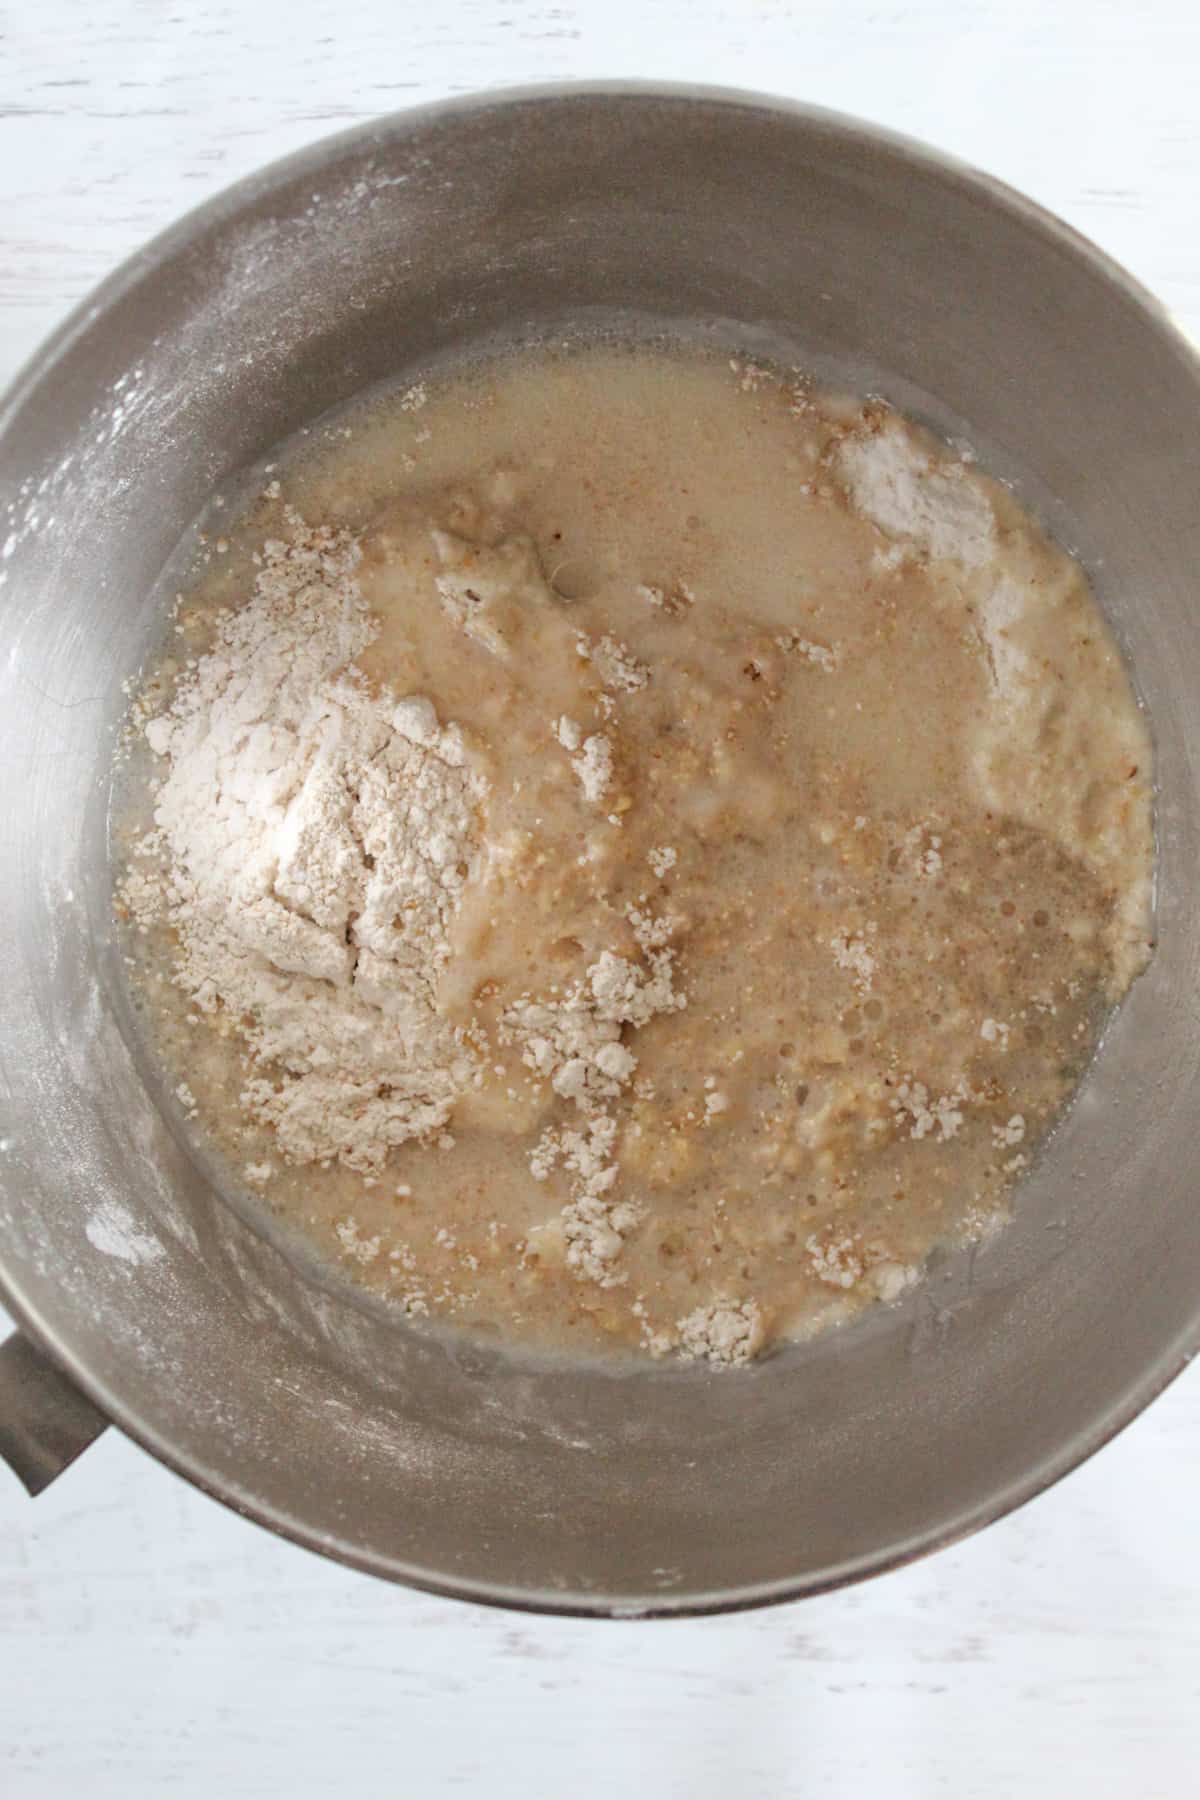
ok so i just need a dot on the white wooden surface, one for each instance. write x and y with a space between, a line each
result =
152 1644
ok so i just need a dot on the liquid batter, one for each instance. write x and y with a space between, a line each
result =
681 880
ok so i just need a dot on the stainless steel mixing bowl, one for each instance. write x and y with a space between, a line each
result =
461 1466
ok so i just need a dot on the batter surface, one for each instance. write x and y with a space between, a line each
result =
641 851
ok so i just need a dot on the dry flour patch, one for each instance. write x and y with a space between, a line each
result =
314 840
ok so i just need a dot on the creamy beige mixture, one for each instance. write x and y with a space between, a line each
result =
642 851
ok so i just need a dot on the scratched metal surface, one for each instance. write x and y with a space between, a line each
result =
152 1643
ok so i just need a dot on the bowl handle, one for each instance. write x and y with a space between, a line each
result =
45 1422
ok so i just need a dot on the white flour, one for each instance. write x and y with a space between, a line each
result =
315 840
576 1043
907 494
113 1231
727 1331
594 767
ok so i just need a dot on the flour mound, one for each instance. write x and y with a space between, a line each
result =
314 840
935 506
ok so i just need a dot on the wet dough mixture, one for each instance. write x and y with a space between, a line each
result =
639 851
